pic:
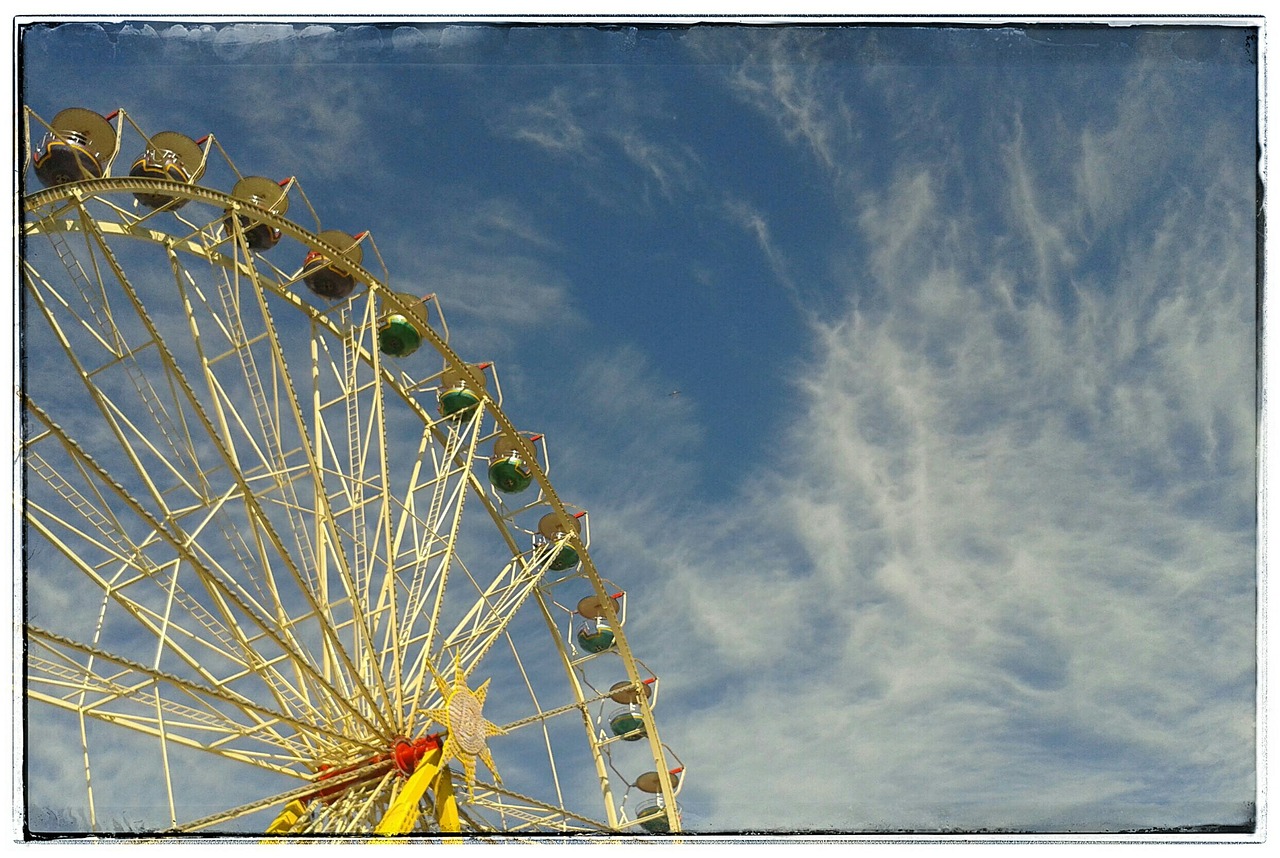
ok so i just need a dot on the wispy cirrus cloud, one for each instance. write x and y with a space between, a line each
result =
785 74
550 124
672 169
599 119
1005 548
756 225
984 603
494 263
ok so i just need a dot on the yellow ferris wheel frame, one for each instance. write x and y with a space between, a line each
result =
76 676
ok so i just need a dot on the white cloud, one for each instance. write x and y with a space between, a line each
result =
1006 548
551 124
987 613
598 118
754 223
784 74
493 266
674 169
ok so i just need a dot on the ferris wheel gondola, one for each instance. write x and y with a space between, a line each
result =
77 145
171 156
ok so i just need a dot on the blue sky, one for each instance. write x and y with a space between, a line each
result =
908 372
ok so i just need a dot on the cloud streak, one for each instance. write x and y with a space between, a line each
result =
1015 523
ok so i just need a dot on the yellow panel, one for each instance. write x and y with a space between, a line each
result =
403 814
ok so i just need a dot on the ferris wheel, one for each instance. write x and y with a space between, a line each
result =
252 600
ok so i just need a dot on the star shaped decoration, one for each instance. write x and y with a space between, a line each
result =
468 731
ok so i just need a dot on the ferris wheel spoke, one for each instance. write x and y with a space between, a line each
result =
363 804
530 813
348 803
89 283
66 308
330 552
543 714
224 595
137 573
196 647
422 570
145 461
415 550
325 523
362 483
263 530
107 687
495 608
193 649
284 410
104 265
261 439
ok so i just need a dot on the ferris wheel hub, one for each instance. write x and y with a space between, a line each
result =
467 723
407 754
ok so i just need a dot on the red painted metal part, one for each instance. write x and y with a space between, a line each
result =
404 755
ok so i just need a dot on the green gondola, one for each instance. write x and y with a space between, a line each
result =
508 471
458 400
627 724
566 559
398 337
653 819
595 636
550 528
